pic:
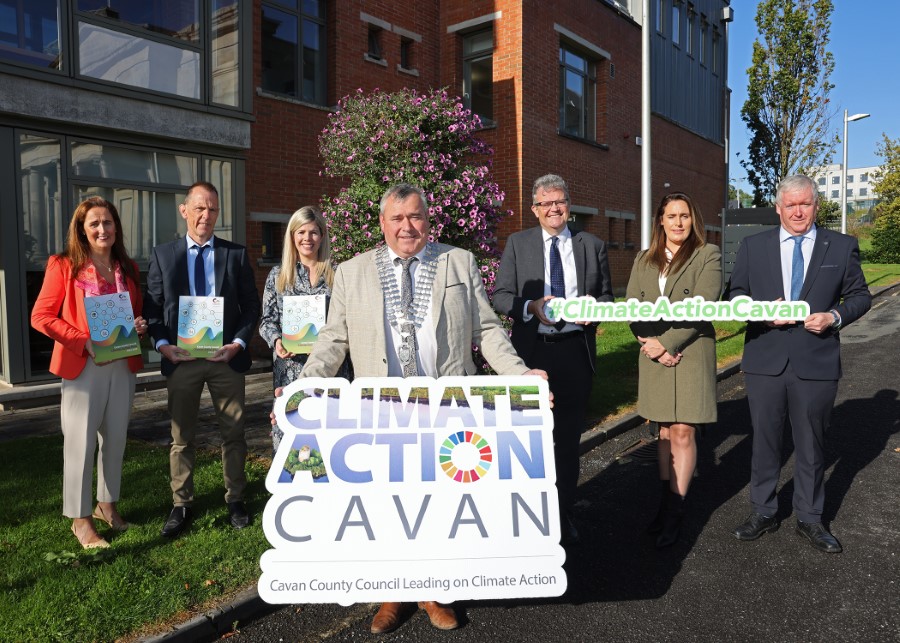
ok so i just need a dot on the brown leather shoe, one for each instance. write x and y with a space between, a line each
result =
387 619
442 617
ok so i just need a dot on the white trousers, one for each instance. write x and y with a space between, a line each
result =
95 408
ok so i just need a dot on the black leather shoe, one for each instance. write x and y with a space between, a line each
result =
819 537
178 520
755 526
239 516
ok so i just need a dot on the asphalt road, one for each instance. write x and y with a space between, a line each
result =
709 586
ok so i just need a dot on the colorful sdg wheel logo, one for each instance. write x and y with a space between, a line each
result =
471 449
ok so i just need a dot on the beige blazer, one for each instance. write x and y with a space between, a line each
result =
460 311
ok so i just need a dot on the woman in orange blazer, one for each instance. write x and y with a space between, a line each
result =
96 400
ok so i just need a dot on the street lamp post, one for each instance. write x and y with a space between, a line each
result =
855 117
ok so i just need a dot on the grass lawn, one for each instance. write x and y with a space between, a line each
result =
55 591
879 275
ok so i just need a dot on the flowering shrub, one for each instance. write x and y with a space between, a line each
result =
378 139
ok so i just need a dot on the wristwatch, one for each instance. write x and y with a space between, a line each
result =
836 324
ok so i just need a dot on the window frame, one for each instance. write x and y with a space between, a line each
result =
467 62
320 92
70 19
588 124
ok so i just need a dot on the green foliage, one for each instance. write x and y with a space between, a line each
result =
886 237
829 215
311 461
886 183
378 139
788 110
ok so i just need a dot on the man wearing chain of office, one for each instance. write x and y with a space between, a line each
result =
408 308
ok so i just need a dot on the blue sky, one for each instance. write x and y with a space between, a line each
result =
866 47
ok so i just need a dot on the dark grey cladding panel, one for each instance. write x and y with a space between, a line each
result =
55 102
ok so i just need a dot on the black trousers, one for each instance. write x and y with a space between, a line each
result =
571 377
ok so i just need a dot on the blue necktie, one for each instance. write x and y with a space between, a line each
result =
557 276
797 268
200 272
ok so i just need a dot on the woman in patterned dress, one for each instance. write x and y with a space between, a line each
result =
305 269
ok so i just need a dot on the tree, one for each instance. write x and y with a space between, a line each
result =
829 215
886 184
788 111
376 140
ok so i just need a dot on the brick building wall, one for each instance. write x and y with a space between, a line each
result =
282 169
689 164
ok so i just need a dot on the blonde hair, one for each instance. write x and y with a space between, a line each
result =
290 256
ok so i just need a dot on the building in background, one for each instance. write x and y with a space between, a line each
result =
137 100
861 197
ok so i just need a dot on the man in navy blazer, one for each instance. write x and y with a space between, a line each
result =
202 264
792 369
539 264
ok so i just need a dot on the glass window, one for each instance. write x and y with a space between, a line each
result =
835 194
478 74
704 31
44 226
29 32
849 192
95 160
821 180
676 23
689 30
714 62
864 177
293 49
577 94
119 57
849 178
660 16
226 53
176 18
835 180
375 42
863 191
406 57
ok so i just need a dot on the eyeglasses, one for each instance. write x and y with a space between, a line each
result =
546 205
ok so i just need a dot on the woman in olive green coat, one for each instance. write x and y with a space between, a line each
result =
677 364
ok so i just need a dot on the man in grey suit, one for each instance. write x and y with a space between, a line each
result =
410 308
792 369
539 264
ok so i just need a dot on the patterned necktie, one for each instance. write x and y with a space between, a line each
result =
407 349
557 276
200 272
797 268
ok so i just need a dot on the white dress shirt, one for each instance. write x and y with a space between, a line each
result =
787 256
567 255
